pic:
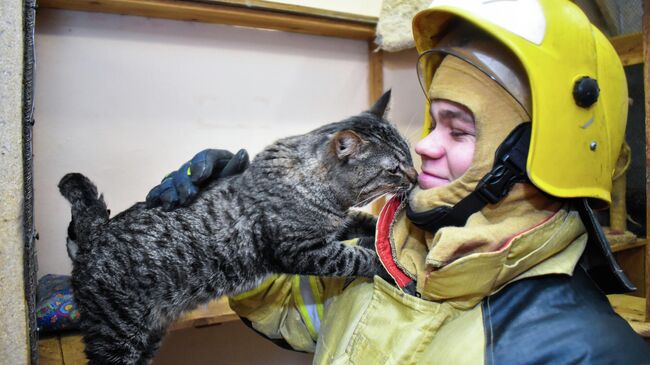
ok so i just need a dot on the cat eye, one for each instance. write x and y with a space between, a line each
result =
394 170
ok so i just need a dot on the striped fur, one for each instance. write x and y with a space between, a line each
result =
135 273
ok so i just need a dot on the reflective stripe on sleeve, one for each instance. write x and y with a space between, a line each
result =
307 294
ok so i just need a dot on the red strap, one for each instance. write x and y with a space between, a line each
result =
382 243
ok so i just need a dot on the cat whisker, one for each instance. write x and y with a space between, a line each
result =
359 195
387 190
409 132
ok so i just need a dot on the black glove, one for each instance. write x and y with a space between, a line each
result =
180 187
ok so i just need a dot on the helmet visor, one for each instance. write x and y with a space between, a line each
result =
485 54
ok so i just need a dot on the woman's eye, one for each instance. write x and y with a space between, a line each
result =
458 133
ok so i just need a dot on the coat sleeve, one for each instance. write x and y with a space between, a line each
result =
288 309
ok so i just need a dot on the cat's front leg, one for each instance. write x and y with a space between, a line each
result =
332 258
357 224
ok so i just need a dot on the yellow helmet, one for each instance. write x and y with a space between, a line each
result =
578 93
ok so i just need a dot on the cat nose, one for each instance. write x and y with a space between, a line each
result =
412 175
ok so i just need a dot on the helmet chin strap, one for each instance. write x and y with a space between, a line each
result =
510 168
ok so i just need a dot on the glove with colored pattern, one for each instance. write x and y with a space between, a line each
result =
180 187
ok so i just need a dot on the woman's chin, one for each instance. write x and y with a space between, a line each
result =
426 181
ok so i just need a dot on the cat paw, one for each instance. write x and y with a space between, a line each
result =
366 242
357 224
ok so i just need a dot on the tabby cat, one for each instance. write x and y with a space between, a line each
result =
135 273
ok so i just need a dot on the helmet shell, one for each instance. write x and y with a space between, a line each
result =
573 149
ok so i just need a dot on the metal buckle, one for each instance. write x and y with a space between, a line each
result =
498 182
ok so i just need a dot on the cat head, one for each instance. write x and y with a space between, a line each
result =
366 157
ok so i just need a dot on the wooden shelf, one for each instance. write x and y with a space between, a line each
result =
296 9
629 48
223 14
215 312
617 247
67 348
632 309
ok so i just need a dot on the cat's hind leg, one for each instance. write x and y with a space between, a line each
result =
115 334
105 346
152 345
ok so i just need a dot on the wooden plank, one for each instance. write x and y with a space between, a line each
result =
629 48
215 312
375 72
646 90
616 247
375 90
221 14
72 347
49 351
298 9
632 309
68 348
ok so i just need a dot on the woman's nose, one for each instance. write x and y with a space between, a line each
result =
430 146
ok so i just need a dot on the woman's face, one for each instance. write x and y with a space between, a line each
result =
448 149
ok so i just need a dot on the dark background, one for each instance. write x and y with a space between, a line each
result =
635 136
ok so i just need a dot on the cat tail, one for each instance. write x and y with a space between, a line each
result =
88 209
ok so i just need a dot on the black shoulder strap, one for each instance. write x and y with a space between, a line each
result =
598 260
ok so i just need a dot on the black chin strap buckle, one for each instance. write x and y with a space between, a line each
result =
495 185
509 166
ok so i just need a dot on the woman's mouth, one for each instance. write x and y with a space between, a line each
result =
428 181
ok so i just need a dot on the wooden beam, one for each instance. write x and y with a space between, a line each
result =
646 90
297 9
375 72
629 48
221 14
375 90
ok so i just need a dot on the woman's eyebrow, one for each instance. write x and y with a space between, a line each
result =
452 114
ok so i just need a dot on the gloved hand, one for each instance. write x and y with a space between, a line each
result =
180 187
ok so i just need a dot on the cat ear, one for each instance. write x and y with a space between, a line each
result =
345 144
380 105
